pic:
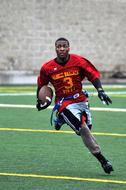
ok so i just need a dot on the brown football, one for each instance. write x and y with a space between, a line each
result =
45 95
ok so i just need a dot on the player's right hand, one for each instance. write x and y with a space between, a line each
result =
40 106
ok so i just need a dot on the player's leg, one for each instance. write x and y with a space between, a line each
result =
72 119
84 113
94 148
89 139
58 121
77 113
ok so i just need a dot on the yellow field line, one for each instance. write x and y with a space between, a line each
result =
109 134
54 131
64 178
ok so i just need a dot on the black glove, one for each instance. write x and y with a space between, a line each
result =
40 105
103 97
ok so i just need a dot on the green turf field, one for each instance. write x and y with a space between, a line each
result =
33 156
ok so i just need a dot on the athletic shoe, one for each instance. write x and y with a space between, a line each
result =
59 121
107 167
57 126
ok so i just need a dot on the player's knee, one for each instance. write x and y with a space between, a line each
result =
96 149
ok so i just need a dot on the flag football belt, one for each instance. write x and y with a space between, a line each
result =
59 103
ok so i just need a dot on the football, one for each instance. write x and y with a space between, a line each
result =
45 95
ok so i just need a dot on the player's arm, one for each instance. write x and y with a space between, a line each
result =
101 93
38 102
93 76
41 81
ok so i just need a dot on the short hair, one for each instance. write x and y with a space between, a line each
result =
62 39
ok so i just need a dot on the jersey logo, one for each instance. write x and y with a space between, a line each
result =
60 75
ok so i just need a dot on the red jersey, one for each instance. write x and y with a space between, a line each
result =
67 79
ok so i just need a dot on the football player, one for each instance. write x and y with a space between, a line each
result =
66 73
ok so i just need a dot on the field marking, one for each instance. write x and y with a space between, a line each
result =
108 109
33 88
17 106
18 94
64 178
112 93
54 131
50 107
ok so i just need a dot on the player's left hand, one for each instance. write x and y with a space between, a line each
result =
104 98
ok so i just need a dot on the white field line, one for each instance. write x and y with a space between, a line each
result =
110 93
34 94
107 86
17 106
50 107
18 94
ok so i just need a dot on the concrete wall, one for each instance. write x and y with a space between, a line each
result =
96 29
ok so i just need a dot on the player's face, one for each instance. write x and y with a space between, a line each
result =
62 49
